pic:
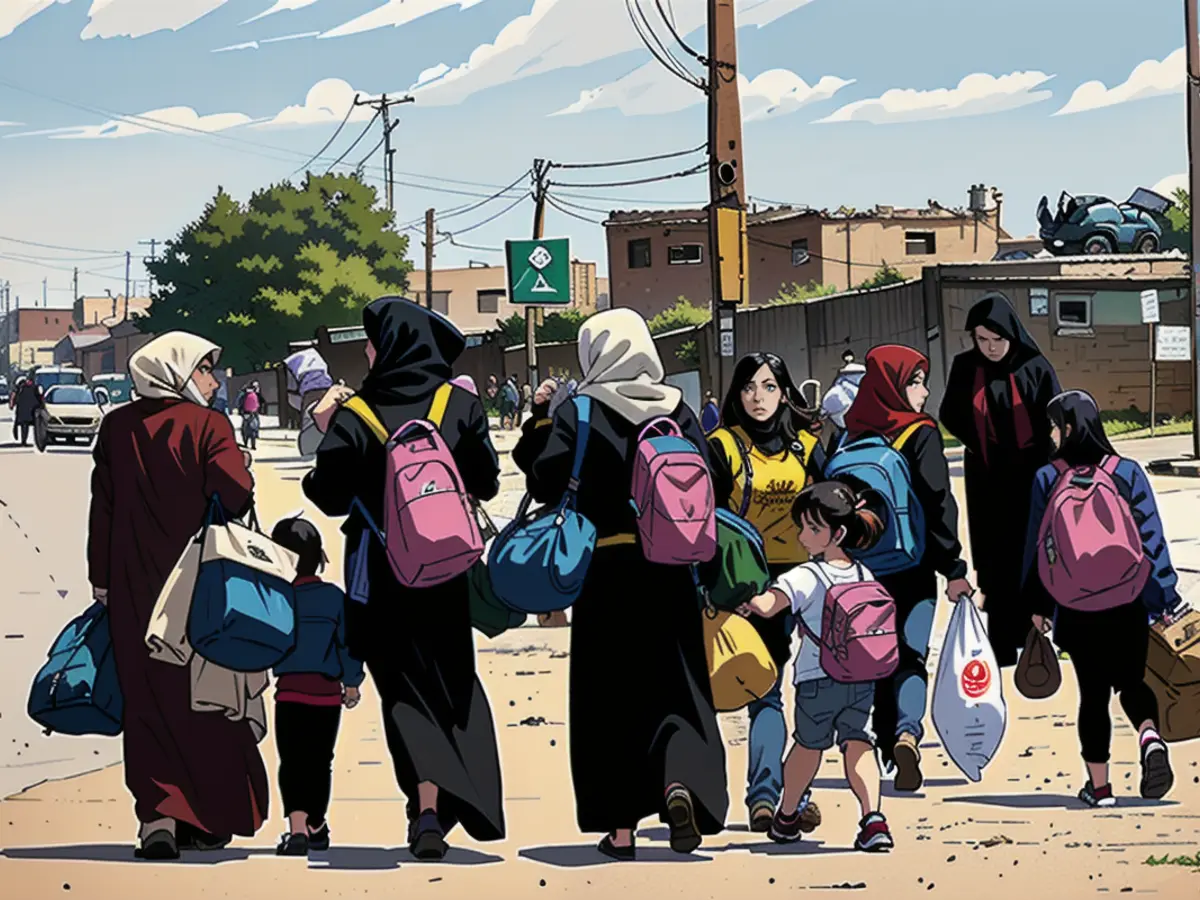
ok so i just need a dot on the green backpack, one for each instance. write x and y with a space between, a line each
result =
738 572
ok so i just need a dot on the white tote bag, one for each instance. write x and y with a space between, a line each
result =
968 697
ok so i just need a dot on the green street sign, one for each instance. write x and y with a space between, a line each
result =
539 271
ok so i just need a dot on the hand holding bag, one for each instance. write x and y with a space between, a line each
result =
740 668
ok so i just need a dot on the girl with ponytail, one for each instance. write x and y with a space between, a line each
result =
831 518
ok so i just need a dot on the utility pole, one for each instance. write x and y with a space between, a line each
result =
153 245
382 106
727 191
45 290
429 258
1192 24
541 168
128 259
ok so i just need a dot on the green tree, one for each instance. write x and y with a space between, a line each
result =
802 293
1177 231
682 314
883 276
252 277
556 328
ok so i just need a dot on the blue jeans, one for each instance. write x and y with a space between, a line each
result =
768 737
911 676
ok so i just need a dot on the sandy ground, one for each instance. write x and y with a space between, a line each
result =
1020 830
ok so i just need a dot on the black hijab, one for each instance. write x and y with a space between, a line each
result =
997 315
415 351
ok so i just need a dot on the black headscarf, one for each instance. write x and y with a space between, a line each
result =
415 351
997 315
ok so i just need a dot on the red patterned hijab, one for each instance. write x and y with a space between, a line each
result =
881 406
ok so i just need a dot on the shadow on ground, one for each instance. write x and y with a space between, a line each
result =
1052 801
578 856
341 858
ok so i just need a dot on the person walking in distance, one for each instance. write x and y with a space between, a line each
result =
250 405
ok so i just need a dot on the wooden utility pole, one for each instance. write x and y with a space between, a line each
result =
727 191
153 245
1192 24
540 169
383 106
429 258
128 259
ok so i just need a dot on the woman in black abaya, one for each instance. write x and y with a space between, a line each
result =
417 642
995 404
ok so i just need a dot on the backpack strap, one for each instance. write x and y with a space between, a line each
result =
583 406
742 442
437 409
359 407
1110 465
907 433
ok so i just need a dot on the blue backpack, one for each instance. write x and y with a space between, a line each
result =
76 692
243 614
874 464
539 561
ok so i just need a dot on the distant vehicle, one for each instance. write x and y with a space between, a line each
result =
70 412
46 377
1090 224
118 387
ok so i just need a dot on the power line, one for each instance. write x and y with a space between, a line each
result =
630 162
494 217
329 143
657 48
562 209
43 265
694 170
453 243
348 150
57 247
828 259
670 23
496 196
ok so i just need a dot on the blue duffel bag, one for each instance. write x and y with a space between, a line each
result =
76 692
539 561
243 614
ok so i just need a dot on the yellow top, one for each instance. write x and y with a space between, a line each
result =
775 483
437 412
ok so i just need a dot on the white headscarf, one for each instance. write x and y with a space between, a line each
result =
622 369
163 368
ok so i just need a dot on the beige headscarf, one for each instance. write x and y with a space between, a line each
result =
163 368
622 369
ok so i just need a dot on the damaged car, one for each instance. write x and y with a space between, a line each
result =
1089 224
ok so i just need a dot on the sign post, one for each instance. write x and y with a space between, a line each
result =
1151 317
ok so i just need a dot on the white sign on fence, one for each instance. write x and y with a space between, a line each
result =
1150 307
727 343
1174 344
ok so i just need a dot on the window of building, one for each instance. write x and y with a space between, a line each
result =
1039 301
800 255
441 302
1073 310
920 243
685 255
489 300
639 253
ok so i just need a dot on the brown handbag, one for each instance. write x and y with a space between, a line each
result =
1038 674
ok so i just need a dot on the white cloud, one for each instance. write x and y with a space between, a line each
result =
281 6
15 12
138 18
558 34
1151 78
255 45
650 90
172 119
393 13
976 95
326 102
1169 185
248 45
10 124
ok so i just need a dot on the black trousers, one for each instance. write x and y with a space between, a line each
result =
1098 678
305 736
21 433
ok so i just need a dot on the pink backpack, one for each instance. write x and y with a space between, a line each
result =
429 529
1090 554
672 495
859 640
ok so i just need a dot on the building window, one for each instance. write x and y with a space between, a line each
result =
639 253
441 302
920 243
1039 301
489 301
1074 310
800 255
684 255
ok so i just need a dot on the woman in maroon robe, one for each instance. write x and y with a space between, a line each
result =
196 777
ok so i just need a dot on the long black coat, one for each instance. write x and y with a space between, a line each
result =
641 714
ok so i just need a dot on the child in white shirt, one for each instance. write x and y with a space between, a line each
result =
831 517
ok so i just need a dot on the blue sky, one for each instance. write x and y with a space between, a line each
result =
499 82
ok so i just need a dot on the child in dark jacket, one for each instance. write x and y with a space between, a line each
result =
314 681
1106 647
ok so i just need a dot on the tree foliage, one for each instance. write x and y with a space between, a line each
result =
682 314
556 327
883 276
252 277
802 293
1177 233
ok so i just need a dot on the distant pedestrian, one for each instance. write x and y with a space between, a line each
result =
510 404
313 682
221 400
28 400
250 405
710 414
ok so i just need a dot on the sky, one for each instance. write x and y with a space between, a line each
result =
119 119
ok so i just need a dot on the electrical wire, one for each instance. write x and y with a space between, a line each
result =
829 259
630 162
58 247
694 170
329 143
670 23
503 192
349 150
492 218
662 55
453 243
42 265
567 212
362 163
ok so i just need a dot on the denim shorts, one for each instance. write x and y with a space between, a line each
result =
829 712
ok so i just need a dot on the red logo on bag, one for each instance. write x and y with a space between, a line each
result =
976 679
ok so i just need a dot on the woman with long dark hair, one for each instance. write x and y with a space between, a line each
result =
891 404
995 404
762 457
1107 647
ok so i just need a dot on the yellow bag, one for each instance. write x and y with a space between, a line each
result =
739 666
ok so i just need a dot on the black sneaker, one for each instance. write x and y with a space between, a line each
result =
158 846
1157 777
292 845
189 837
874 835
1101 798
319 840
681 816
429 840
612 851
785 829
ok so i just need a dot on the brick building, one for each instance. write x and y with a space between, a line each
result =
31 334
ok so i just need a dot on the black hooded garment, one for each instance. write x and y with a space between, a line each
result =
417 643
999 473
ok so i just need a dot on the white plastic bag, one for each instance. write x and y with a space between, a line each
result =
968 697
